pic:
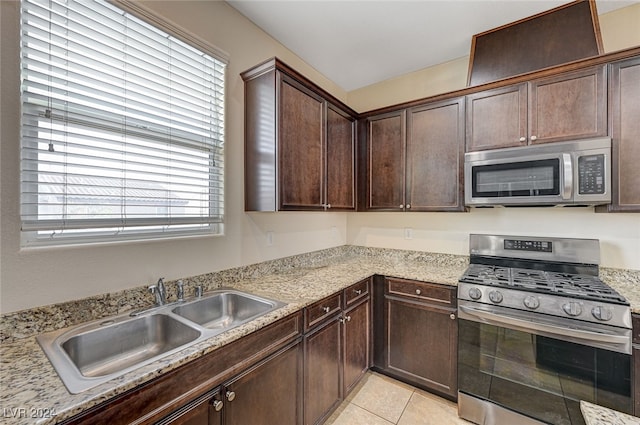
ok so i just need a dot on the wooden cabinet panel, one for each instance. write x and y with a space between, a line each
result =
357 341
421 345
198 412
267 394
322 310
322 385
568 106
415 340
386 161
420 290
435 154
356 293
299 143
301 146
624 112
340 161
497 118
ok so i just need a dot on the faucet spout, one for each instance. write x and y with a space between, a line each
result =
161 292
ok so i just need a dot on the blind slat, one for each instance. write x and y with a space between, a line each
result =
122 127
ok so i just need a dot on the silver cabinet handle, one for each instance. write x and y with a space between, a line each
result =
329 206
348 318
408 206
534 138
358 291
452 316
418 292
326 309
217 405
231 395
523 139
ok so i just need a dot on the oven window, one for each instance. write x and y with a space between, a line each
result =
541 377
528 178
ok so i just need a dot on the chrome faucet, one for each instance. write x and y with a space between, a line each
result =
159 291
180 290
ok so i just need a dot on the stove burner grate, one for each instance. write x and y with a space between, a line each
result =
555 283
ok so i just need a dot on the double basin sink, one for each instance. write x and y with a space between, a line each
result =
90 354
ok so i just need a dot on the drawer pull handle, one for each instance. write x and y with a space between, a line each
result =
452 316
358 291
231 395
326 309
217 405
418 292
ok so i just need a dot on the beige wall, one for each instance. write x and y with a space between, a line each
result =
448 233
35 277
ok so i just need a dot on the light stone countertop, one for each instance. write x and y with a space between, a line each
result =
598 415
32 393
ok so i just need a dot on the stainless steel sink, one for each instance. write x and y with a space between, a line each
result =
90 354
225 309
107 350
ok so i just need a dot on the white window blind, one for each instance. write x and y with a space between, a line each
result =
122 127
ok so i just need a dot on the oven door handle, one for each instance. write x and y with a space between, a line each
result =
611 341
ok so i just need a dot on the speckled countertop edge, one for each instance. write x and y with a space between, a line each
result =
598 415
29 383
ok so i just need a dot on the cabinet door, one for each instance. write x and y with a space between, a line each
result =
435 156
357 339
322 386
625 135
300 125
267 394
201 411
568 106
386 161
340 159
497 118
421 344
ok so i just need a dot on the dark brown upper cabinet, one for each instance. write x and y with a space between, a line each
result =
567 106
414 158
624 119
299 143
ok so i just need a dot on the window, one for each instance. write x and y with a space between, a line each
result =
122 127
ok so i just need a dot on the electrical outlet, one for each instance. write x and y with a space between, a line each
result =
408 233
269 238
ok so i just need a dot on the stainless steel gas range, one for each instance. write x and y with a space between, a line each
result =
538 332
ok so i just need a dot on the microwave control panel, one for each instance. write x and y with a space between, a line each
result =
591 175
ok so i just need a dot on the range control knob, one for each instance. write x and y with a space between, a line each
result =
475 293
495 297
572 308
601 313
531 302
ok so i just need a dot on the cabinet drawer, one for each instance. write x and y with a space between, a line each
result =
421 290
356 292
321 310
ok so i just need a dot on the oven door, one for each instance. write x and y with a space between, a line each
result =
537 373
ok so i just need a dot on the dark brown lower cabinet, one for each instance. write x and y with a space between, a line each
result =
268 393
322 357
635 373
357 341
417 335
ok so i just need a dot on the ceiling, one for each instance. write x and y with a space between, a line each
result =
356 43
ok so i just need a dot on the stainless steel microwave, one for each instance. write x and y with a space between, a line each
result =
564 173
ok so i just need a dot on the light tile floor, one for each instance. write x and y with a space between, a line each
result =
380 400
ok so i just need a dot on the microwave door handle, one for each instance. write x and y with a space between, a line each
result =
567 180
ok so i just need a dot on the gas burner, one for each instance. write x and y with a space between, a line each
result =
579 286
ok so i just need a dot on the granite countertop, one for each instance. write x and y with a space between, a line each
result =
32 392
